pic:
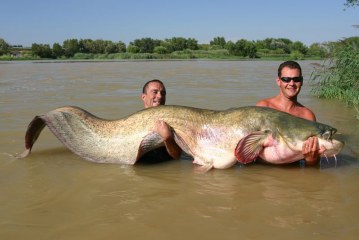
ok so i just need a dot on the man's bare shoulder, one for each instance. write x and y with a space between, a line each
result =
306 113
267 102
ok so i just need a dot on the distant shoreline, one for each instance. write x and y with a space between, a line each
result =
146 60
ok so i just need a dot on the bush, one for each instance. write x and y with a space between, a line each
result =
83 56
160 50
296 55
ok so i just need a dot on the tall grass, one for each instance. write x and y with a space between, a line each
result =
338 78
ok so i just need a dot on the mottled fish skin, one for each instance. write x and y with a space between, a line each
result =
215 139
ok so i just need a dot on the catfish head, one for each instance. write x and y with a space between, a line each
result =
280 142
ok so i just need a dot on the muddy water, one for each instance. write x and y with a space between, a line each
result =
56 195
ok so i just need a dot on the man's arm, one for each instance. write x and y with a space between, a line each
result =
164 131
311 151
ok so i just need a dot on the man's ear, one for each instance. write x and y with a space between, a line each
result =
277 80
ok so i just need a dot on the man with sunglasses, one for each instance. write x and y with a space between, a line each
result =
290 81
154 94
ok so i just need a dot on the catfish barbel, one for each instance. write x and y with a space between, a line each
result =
215 139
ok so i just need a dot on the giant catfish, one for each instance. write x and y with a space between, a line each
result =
215 139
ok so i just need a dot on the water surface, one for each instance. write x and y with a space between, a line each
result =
54 194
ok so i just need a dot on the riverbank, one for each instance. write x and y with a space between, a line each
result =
177 55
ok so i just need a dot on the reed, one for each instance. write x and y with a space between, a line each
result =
338 77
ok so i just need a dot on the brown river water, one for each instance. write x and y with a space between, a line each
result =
54 194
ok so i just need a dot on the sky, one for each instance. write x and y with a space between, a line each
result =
23 22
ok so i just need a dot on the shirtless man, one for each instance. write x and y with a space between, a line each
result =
290 81
154 94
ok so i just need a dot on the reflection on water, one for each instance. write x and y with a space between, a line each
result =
54 194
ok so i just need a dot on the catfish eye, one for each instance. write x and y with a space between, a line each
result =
328 134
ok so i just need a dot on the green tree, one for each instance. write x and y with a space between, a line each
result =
351 40
318 49
274 44
192 44
265 43
160 50
286 41
351 3
146 45
230 46
85 45
176 44
242 48
251 50
133 49
97 47
121 46
57 50
260 44
299 47
111 47
41 50
280 44
4 47
204 46
180 44
218 41
71 46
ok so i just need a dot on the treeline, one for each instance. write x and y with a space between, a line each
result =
176 47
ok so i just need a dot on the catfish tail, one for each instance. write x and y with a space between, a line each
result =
32 133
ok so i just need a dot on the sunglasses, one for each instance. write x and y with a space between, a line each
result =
295 79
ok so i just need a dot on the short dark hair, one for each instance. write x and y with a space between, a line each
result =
144 89
291 65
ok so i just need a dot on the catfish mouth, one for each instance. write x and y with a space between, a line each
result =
333 147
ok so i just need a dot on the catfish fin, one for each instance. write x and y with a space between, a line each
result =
151 141
249 147
182 143
203 168
32 133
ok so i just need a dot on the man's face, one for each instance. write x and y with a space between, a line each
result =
290 89
155 95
